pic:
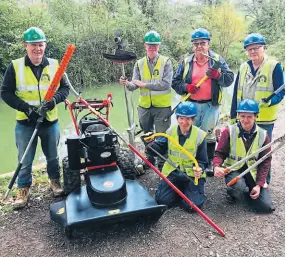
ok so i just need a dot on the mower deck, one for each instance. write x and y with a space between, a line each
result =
77 210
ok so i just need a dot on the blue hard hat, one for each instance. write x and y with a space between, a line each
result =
248 105
254 38
186 109
200 34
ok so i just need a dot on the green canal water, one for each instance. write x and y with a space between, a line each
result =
117 119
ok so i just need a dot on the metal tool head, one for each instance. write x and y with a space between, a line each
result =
121 56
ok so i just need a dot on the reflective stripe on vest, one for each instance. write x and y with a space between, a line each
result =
263 87
182 161
237 149
32 91
148 97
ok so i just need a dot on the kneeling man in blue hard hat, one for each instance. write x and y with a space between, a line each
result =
193 140
237 142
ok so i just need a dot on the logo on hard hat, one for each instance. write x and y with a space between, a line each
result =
184 111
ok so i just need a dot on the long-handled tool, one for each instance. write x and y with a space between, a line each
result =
179 146
267 99
167 160
122 56
234 180
185 98
137 152
279 139
49 95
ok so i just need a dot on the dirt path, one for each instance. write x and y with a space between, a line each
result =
30 232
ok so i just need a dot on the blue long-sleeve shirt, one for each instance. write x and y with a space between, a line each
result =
277 78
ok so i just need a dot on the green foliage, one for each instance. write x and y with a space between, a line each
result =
91 24
226 25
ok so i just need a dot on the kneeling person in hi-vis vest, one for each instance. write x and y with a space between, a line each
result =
25 85
153 76
238 141
193 140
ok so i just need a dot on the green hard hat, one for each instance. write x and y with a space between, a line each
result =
152 38
33 35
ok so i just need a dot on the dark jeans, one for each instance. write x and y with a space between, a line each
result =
243 188
269 129
50 136
166 195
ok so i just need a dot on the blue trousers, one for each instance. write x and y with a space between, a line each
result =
50 136
243 187
166 195
269 129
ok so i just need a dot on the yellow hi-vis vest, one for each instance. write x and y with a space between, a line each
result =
29 89
263 88
148 97
183 162
186 70
238 152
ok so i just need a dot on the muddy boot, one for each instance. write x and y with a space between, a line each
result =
56 187
22 198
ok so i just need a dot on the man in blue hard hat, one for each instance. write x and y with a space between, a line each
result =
152 75
193 140
25 85
237 142
258 78
207 97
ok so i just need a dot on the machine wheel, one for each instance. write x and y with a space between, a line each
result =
71 177
125 162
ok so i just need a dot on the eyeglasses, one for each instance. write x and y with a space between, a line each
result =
202 44
255 49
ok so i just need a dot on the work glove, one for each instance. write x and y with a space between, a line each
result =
192 89
146 142
32 113
47 106
213 73
263 104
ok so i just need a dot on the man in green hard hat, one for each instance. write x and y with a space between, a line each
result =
152 75
25 85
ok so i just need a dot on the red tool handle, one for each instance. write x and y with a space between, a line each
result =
202 214
60 72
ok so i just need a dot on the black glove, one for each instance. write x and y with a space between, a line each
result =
47 106
147 135
32 113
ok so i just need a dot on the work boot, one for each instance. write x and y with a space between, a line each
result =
56 187
21 198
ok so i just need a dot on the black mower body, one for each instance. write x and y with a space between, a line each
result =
106 198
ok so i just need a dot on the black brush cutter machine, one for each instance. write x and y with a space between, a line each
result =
106 196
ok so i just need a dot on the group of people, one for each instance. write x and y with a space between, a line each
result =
202 75
26 81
